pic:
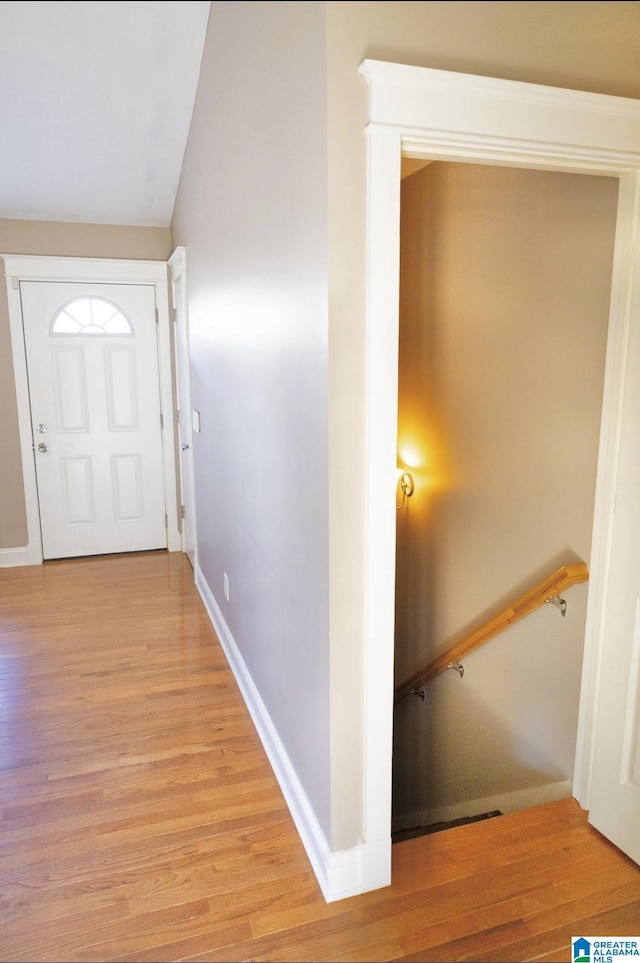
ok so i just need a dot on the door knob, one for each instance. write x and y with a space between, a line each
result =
41 428
42 447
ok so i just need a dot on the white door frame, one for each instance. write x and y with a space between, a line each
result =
88 270
178 271
439 115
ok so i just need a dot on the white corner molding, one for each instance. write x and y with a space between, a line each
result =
431 114
468 116
339 874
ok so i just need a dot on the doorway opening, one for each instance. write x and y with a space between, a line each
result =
133 406
438 115
505 279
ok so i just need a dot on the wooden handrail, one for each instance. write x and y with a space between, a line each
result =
549 588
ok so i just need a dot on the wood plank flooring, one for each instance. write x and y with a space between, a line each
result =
140 820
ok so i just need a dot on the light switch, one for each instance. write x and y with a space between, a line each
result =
195 419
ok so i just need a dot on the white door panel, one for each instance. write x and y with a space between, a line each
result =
95 405
614 802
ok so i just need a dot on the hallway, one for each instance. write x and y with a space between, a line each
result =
140 819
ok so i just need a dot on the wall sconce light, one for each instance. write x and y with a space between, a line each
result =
405 483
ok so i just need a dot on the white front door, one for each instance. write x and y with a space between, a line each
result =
92 364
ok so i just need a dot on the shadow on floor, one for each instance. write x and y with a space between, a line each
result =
438 827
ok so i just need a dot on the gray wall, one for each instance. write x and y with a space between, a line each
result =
252 214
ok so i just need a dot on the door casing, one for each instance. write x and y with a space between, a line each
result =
103 271
178 276
440 115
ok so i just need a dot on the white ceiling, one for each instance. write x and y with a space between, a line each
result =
95 106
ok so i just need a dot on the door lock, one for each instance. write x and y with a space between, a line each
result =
42 447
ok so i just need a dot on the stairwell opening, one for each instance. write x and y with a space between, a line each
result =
505 282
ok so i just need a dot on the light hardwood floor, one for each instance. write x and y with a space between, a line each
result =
140 820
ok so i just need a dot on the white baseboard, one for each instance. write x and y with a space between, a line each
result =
509 802
11 557
339 874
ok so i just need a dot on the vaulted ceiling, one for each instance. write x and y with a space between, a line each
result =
95 106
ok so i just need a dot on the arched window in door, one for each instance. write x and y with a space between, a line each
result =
91 315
